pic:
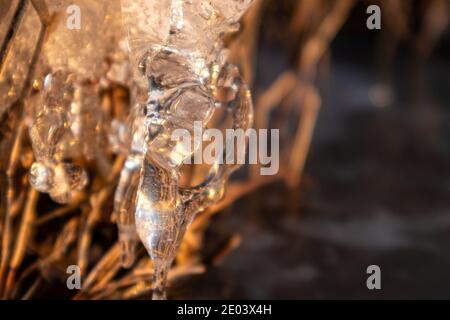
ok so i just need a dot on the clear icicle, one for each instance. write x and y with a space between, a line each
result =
68 118
48 132
125 196
176 50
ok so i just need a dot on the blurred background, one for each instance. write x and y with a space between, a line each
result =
375 189
364 179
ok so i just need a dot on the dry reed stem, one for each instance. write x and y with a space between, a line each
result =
193 241
316 46
436 21
25 229
97 201
30 292
7 225
243 49
302 141
308 60
67 237
107 261
22 239
232 243
272 97
42 10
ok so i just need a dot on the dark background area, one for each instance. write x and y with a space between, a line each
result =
376 188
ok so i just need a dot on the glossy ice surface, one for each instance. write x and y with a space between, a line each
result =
178 76
176 50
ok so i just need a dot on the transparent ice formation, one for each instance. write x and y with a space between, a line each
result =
177 55
49 173
177 74
67 116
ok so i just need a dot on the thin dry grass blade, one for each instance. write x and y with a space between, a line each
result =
302 141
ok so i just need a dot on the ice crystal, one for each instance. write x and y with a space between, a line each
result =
178 76
176 49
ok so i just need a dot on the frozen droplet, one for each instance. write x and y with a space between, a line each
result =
41 176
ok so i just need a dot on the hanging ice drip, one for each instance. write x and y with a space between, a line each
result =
66 116
181 77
